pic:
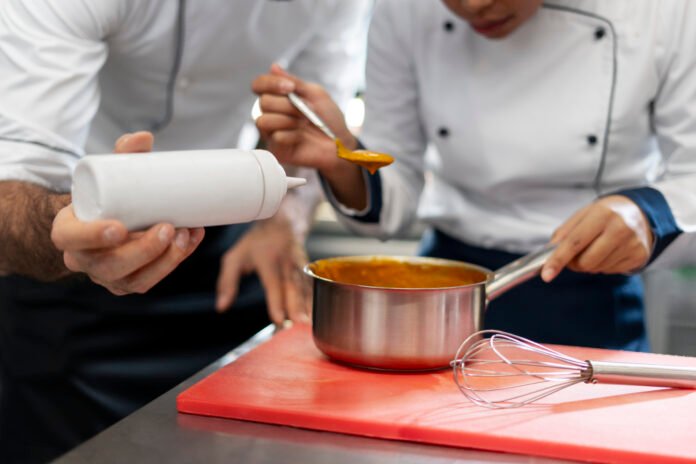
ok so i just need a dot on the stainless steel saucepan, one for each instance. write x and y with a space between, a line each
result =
410 329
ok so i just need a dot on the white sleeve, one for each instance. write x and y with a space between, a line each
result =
333 57
675 126
50 54
392 121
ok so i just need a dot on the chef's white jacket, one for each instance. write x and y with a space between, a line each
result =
515 135
77 74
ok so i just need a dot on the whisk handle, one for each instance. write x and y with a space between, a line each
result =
651 375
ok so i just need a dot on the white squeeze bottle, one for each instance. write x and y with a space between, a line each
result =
184 188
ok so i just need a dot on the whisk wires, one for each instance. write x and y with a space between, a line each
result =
496 369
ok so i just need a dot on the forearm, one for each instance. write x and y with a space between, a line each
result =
25 231
393 196
346 180
349 188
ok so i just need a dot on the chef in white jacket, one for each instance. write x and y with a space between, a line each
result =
514 123
75 75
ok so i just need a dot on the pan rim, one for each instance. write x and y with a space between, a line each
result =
489 275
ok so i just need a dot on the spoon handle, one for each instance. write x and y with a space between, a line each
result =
311 115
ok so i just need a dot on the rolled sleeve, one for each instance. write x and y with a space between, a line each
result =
392 125
36 164
675 129
662 223
50 56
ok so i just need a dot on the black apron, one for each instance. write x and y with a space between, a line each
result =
74 358
596 310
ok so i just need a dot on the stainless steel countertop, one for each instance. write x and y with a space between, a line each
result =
157 433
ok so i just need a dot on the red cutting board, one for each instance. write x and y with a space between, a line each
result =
288 381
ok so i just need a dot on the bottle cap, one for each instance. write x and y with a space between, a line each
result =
276 183
296 182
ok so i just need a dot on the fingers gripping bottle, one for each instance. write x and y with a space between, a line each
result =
194 188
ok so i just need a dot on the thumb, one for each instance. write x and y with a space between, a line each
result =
137 142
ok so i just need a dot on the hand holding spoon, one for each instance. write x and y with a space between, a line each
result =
369 160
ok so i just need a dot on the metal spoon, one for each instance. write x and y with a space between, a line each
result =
369 160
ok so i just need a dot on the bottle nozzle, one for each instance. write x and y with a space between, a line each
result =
295 182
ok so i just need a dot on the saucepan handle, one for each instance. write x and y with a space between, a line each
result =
518 271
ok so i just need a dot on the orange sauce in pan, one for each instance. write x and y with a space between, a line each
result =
369 160
391 273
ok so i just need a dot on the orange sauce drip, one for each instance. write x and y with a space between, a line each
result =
369 160
389 273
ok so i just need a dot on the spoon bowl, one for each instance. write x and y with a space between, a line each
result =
370 160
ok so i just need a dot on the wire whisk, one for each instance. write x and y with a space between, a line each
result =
497 369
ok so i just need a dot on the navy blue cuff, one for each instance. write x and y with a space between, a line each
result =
653 204
374 190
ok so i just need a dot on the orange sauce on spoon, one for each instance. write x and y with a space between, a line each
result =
369 160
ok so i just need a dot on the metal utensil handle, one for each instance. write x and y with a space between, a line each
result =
311 115
518 271
651 375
